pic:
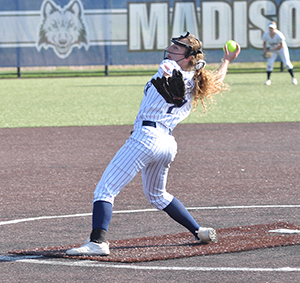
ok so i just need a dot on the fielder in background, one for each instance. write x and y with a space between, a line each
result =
275 44
169 96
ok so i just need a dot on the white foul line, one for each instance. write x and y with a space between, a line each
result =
149 210
87 263
42 218
39 260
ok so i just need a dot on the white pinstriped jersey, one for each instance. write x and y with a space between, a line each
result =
154 107
276 39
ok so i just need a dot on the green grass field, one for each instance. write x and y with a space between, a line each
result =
88 101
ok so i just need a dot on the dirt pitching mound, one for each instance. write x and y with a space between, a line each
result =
182 245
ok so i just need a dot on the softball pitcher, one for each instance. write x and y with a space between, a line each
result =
181 81
274 42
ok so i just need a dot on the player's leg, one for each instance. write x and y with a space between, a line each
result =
269 68
177 211
96 244
155 173
128 161
102 214
154 184
154 177
285 58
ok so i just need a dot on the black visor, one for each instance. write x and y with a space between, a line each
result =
190 51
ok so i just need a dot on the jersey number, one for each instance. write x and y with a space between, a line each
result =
174 106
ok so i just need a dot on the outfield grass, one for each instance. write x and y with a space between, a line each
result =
250 101
115 101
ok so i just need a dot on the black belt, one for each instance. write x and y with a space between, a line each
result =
149 123
153 124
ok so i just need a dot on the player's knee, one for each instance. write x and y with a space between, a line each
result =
159 201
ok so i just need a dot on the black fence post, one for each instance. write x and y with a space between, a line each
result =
106 70
19 72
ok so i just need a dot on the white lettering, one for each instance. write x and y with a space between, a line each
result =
289 25
142 29
216 24
185 19
257 12
240 23
147 26
244 21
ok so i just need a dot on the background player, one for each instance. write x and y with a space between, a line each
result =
181 81
274 41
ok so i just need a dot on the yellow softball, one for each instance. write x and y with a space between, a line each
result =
231 46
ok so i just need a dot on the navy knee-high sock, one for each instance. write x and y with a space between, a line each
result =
102 213
179 213
291 71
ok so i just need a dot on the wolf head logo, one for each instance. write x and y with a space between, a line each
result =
62 28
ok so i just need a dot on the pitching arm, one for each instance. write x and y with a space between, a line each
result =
228 57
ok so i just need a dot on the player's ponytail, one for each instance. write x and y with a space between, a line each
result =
207 83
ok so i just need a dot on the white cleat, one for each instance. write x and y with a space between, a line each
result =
268 82
90 248
294 81
207 235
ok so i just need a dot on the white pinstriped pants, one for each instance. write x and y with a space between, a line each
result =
285 59
148 149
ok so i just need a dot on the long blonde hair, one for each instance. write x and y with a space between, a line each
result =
207 83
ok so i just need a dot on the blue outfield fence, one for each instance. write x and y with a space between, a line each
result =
119 32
